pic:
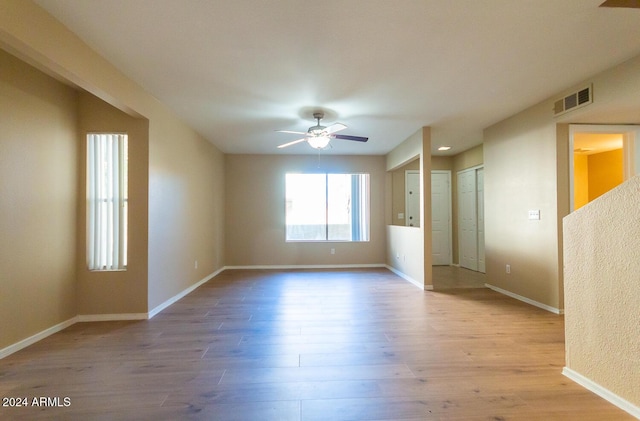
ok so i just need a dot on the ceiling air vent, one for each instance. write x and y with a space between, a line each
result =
573 101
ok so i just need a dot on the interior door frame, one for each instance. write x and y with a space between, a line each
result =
482 261
630 149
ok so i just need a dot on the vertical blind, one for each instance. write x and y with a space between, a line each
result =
106 201
360 207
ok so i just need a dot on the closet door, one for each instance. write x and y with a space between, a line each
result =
441 217
467 220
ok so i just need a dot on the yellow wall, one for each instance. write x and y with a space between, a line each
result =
255 205
38 201
580 180
596 174
605 172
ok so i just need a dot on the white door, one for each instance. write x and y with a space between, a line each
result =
469 248
441 217
412 198
480 206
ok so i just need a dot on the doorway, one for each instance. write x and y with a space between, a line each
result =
601 158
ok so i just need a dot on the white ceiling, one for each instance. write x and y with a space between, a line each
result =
237 70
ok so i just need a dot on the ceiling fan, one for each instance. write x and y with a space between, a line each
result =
318 137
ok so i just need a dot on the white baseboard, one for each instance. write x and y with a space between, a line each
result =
182 294
525 299
277 267
5 352
409 279
99 318
144 316
602 392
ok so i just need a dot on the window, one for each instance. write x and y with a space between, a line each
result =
327 207
107 198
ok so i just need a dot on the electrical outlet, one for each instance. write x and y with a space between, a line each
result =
508 268
333 251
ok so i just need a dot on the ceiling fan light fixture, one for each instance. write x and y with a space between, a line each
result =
318 137
318 142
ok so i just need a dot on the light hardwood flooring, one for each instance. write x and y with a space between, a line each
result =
448 277
310 345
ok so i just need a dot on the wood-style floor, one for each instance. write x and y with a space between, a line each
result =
448 277
309 345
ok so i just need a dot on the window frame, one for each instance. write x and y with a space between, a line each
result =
108 250
364 236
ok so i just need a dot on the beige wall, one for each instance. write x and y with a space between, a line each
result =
186 208
405 241
186 172
111 292
38 198
527 167
442 163
255 205
602 292
406 252
520 174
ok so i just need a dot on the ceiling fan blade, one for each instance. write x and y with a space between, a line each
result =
632 4
347 137
292 143
335 128
290 131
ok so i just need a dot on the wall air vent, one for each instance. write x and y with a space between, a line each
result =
573 101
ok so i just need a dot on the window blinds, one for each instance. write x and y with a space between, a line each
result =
107 201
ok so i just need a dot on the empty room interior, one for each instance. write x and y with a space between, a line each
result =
336 210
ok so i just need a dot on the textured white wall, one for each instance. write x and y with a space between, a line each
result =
602 291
